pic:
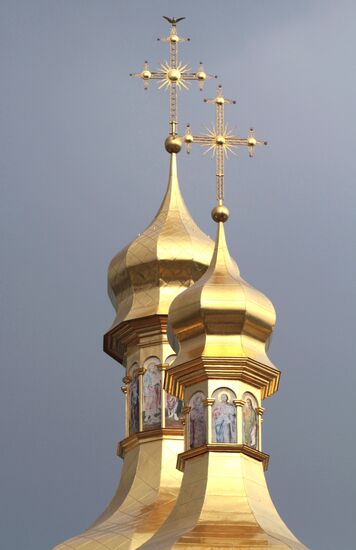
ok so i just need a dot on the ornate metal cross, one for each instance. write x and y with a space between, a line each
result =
173 75
220 140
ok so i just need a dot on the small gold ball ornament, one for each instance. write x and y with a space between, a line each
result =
146 74
201 75
173 75
173 144
220 140
220 213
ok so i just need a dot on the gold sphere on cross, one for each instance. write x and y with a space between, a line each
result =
220 140
188 138
146 74
251 141
220 213
201 75
174 38
220 100
173 144
173 75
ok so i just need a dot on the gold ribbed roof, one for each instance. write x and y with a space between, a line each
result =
170 255
222 315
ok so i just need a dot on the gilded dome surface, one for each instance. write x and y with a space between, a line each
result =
169 256
222 315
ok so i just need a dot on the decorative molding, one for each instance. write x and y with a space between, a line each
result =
238 402
124 389
208 401
143 332
222 448
163 366
149 435
248 370
141 371
127 379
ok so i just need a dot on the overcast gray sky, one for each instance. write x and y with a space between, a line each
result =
83 171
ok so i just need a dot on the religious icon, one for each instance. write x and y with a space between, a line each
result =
173 411
197 422
174 405
250 421
152 394
224 417
134 403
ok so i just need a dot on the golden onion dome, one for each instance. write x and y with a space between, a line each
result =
169 256
222 315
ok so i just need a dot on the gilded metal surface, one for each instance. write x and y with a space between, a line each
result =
223 326
166 258
197 370
144 331
223 503
222 448
146 494
222 320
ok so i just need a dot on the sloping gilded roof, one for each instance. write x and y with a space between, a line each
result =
170 255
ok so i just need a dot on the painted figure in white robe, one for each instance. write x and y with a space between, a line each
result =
250 424
152 395
224 420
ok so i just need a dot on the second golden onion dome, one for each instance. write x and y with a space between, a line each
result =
222 315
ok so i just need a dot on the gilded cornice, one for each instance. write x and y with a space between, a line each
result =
144 331
222 448
150 435
184 374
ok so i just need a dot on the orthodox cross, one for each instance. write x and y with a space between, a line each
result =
221 141
173 75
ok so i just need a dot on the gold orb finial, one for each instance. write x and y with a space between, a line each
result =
174 75
173 144
220 213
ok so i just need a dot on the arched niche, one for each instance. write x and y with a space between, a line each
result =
223 416
250 420
197 421
152 394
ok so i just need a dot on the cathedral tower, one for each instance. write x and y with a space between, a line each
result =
222 370
143 279
172 289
